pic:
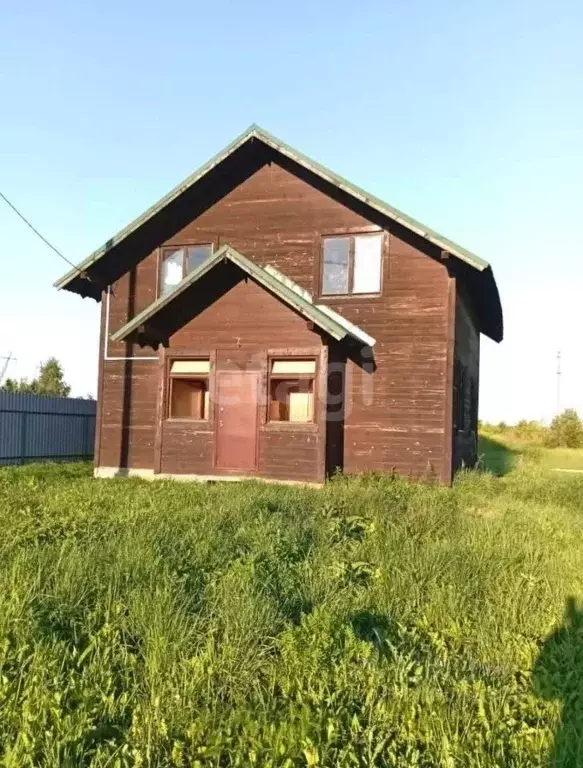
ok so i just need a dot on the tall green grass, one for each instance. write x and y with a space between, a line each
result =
369 623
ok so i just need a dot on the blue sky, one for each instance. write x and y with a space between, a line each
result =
466 115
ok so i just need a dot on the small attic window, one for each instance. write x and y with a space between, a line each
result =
180 261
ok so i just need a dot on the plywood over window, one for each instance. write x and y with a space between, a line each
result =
188 383
291 400
291 390
189 399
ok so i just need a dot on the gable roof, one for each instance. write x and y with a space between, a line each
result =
269 277
255 132
91 275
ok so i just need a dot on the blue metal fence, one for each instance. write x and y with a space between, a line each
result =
38 428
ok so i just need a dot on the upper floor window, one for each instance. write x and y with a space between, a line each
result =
178 262
352 264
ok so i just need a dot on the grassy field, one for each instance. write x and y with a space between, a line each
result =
501 450
371 623
563 458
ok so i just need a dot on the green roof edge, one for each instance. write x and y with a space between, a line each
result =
255 131
306 308
373 202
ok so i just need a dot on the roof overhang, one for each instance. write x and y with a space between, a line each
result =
86 280
271 279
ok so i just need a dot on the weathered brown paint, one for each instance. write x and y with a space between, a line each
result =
396 418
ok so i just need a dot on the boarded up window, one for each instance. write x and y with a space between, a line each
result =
189 389
291 400
291 390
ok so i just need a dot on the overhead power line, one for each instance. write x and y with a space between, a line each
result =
36 232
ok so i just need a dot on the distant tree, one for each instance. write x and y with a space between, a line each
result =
566 430
50 381
22 386
533 432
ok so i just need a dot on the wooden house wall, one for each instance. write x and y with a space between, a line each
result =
400 422
396 417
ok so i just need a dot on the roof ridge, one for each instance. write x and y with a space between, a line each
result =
256 131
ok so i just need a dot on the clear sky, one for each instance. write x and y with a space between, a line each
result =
466 115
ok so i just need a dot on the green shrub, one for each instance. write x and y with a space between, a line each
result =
532 432
566 431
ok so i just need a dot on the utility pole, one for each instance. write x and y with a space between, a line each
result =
559 373
4 366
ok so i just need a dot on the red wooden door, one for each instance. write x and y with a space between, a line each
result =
236 420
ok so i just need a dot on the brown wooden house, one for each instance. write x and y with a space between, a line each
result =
269 319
